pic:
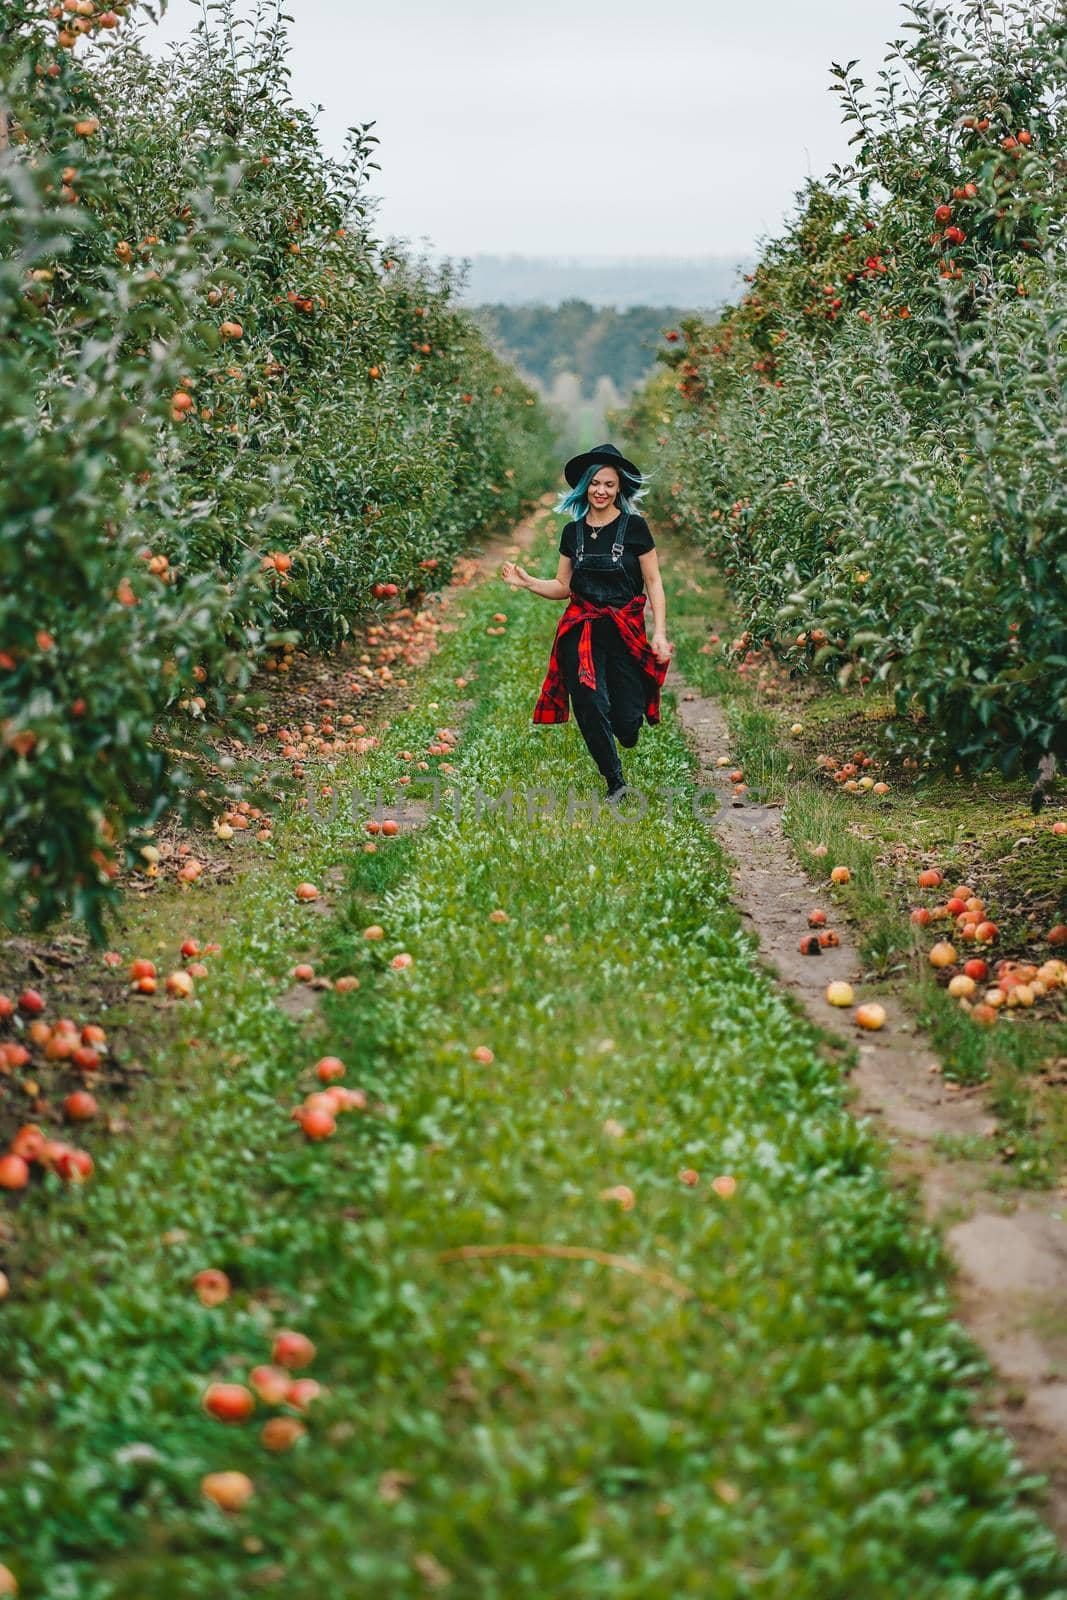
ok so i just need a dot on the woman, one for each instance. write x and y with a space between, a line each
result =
601 657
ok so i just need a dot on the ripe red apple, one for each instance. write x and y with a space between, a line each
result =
230 1491
816 919
281 1433
80 1106
270 1383
330 1068
31 1002
29 1142
212 1286
229 1402
317 1123
73 1166
302 1391
292 1349
14 1172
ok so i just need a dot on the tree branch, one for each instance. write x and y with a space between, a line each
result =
569 1252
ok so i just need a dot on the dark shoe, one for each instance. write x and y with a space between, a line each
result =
615 793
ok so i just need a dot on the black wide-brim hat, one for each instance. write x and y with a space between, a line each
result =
604 455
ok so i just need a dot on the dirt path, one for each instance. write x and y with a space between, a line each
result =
482 567
1011 1252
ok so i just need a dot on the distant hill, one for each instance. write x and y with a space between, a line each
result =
700 282
586 342
586 360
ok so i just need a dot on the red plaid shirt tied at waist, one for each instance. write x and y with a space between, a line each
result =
552 704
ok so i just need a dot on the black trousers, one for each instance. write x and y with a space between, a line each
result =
615 709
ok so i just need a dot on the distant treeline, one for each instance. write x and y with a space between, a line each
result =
589 341
702 282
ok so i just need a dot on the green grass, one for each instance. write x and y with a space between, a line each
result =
809 1422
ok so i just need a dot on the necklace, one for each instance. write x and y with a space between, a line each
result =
594 531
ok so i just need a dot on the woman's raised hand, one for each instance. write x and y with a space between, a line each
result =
517 576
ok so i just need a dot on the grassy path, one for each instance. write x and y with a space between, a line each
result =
803 1423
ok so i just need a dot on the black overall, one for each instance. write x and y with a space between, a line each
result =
615 708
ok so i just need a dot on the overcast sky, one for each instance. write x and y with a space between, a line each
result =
603 127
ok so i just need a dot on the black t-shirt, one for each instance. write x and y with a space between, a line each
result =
638 540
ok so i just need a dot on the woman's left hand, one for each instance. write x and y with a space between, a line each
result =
660 648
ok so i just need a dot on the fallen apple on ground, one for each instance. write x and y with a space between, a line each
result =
230 1491
229 1402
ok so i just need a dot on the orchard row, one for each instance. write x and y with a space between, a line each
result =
870 444
231 420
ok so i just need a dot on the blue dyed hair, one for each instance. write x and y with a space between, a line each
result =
575 503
